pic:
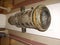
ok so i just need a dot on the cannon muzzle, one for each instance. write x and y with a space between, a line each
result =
38 18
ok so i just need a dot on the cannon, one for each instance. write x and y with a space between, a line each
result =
38 18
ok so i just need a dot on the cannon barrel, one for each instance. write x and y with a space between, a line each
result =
38 18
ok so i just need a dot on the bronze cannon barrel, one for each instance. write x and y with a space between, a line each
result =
38 18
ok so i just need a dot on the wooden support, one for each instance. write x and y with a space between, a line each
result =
26 2
0 41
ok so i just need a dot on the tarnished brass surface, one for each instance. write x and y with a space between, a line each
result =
38 18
